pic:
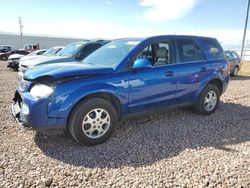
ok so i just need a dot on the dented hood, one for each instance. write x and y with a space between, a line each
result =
65 70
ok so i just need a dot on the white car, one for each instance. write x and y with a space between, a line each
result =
33 55
14 60
27 60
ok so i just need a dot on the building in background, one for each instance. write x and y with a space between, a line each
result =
43 41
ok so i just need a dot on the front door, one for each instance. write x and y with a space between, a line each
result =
153 87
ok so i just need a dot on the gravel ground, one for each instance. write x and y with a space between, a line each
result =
174 148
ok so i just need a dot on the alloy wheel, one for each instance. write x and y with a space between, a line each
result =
96 123
210 101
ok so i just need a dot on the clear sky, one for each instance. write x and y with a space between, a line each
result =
223 19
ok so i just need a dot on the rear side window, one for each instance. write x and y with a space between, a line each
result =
214 48
228 55
235 55
188 51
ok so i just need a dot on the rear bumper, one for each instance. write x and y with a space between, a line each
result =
31 113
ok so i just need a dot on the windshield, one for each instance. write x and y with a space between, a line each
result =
111 54
50 51
70 49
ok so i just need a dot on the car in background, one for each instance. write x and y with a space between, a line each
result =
34 54
13 60
31 47
234 62
5 56
53 50
125 77
73 52
5 48
41 53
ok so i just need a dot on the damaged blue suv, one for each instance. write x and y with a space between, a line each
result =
123 78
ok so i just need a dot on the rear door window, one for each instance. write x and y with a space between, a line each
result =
228 55
188 51
214 48
235 56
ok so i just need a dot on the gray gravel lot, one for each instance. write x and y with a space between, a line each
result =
174 148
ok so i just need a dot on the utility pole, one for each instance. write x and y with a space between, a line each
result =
245 30
21 31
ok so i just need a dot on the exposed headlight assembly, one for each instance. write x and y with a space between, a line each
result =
41 91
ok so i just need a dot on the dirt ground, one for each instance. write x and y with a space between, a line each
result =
245 69
175 148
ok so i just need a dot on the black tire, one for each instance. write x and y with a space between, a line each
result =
235 71
200 106
83 111
4 58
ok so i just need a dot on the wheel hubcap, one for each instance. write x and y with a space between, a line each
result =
236 71
96 123
210 100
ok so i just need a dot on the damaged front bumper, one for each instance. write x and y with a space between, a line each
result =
31 113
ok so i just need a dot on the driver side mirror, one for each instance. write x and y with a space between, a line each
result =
142 63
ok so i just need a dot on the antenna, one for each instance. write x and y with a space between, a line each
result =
21 31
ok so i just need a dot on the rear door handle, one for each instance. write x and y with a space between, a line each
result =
203 69
169 73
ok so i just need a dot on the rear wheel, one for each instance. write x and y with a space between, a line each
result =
208 101
235 72
92 121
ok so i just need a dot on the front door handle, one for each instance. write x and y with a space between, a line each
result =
203 69
169 73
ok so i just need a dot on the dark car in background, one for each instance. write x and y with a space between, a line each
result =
73 52
5 48
234 62
5 56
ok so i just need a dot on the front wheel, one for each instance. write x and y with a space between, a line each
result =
92 121
208 101
4 58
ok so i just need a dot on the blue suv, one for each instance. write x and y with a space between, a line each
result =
123 78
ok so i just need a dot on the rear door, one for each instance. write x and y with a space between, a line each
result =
236 58
193 69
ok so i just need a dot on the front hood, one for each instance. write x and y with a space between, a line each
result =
25 58
40 60
15 56
65 70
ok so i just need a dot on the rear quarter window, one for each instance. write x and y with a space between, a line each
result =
214 48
